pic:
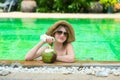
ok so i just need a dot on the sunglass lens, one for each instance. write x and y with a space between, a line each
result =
61 32
65 33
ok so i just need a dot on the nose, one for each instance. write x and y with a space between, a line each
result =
62 34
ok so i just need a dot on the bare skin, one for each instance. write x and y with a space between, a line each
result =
65 53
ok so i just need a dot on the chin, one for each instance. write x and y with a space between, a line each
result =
61 41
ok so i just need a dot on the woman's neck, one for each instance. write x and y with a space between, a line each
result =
58 45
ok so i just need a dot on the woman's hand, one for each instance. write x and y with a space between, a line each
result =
50 39
47 39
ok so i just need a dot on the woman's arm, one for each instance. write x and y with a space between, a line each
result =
35 51
70 54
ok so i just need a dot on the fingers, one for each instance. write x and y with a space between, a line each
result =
47 39
50 39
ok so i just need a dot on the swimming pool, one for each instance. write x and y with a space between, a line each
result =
96 39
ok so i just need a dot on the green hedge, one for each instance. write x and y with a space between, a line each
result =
63 6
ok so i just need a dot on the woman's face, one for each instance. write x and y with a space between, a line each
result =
61 35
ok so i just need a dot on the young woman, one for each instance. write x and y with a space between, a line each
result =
62 34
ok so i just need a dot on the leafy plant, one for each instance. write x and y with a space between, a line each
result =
63 6
44 5
107 3
117 7
1 1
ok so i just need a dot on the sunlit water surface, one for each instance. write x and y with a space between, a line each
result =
96 39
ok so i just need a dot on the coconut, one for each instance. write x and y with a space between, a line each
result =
49 56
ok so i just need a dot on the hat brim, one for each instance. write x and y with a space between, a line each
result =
71 37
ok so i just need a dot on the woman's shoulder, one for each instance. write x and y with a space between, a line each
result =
68 45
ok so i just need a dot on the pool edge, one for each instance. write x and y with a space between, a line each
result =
76 63
57 15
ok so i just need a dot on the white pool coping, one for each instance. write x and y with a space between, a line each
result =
57 15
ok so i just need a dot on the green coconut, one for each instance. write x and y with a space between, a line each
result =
49 56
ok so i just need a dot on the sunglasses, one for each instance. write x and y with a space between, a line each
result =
62 32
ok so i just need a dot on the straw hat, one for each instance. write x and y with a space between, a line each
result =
56 25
